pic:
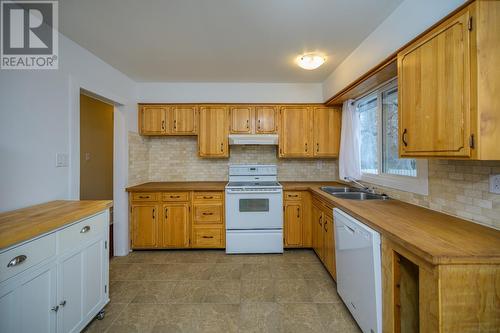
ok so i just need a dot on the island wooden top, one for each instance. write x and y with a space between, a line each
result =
178 186
435 237
23 224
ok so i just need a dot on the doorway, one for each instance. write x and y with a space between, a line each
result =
96 152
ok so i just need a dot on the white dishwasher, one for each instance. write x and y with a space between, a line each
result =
359 284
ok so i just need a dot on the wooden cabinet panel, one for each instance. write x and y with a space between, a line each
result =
329 245
153 120
265 119
144 225
295 132
293 224
326 131
434 92
213 132
241 118
208 237
184 120
175 196
207 213
175 225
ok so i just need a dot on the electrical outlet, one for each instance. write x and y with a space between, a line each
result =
62 160
495 184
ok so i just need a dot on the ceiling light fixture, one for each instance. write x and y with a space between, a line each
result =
310 61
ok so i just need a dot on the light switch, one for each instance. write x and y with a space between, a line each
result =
495 184
62 160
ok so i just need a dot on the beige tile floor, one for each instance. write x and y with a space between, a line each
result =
209 291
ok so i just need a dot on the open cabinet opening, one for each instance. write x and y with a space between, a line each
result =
406 295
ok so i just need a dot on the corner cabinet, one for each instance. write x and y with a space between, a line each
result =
61 283
309 131
213 132
448 81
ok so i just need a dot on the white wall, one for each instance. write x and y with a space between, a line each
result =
226 92
407 21
39 116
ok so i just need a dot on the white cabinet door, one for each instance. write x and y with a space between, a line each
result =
28 303
95 265
70 294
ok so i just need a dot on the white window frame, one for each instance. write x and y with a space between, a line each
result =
418 184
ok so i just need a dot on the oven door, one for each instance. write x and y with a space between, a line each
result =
254 210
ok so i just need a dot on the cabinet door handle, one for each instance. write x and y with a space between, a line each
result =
205 213
175 124
298 212
404 137
248 124
325 226
63 303
55 308
259 124
207 237
154 215
306 146
320 220
85 229
222 147
163 124
166 213
17 260
317 147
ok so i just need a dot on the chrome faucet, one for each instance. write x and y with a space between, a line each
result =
363 187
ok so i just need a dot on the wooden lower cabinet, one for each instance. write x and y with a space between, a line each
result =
174 229
166 220
297 226
323 233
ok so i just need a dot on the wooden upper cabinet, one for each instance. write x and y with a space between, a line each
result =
326 131
434 80
153 120
213 132
295 131
265 119
144 225
184 119
174 230
241 118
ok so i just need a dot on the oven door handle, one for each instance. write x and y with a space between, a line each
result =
254 192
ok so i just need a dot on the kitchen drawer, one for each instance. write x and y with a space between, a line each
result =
76 235
28 255
207 214
292 195
144 196
208 196
175 196
208 237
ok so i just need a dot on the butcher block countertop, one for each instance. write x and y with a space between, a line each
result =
178 186
23 224
435 237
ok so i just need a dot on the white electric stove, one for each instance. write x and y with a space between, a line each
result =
254 210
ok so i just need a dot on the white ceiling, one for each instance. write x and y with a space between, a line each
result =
221 40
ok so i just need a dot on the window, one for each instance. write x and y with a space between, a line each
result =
379 140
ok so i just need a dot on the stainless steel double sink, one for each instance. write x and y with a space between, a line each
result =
352 193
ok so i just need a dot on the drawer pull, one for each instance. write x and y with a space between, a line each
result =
208 213
210 197
144 197
17 260
85 229
293 196
175 196
207 236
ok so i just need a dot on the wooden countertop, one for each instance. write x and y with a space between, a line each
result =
178 186
435 237
23 224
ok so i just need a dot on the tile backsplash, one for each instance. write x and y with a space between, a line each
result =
458 188
176 159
